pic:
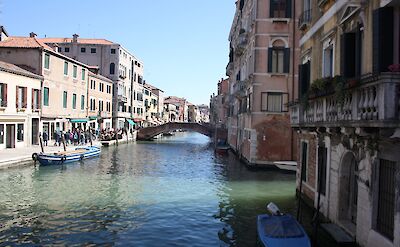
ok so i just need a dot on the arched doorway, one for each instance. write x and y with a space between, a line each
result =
348 191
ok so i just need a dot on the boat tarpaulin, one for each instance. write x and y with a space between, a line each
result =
131 122
78 120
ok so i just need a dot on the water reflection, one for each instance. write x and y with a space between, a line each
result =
173 192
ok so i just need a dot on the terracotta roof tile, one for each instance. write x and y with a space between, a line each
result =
24 42
8 67
81 41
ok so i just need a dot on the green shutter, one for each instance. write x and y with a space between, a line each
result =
270 60
65 99
75 70
74 101
82 102
46 96
65 68
47 61
286 60
83 74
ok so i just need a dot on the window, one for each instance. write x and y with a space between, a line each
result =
21 98
65 99
304 78
274 102
101 105
83 50
59 49
3 95
92 105
74 101
327 62
112 68
20 132
101 87
35 99
82 102
66 49
112 51
280 9
108 107
278 58
83 74
92 50
386 198
75 71
46 96
109 89
322 160
46 61
65 68
304 161
92 84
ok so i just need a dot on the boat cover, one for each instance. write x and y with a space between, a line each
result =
283 227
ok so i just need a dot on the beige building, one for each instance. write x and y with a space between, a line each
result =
114 62
99 101
348 116
153 98
170 113
19 106
64 86
262 78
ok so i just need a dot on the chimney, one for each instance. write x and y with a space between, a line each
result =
32 35
75 38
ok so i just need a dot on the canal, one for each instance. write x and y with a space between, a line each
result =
171 192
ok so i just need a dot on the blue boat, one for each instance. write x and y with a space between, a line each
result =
280 230
59 158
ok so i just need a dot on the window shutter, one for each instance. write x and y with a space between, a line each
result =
270 60
300 81
16 96
39 101
286 61
358 51
271 8
5 93
348 56
382 39
288 9
33 96
25 93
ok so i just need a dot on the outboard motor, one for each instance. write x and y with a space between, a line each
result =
273 209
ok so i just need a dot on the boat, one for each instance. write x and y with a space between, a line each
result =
222 147
286 165
63 157
280 230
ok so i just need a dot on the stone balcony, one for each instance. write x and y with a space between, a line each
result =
239 89
122 98
374 102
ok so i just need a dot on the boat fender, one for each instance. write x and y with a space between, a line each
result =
81 156
34 156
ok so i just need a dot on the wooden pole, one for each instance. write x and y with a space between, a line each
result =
90 136
41 144
116 137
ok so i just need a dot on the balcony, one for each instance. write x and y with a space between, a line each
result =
239 89
305 19
375 102
122 99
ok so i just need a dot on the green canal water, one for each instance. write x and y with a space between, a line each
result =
171 192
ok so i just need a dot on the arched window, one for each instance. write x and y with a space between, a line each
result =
112 68
278 57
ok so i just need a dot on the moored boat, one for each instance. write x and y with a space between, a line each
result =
280 230
59 158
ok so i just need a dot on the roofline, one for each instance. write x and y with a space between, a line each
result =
27 73
64 57
4 30
100 77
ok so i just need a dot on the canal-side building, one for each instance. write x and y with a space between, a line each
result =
114 62
99 106
204 111
170 113
181 107
19 106
348 116
219 104
154 104
262 72
64 86
193 113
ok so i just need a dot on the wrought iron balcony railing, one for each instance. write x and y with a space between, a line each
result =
305 19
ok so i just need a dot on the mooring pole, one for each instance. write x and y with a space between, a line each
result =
41 144
63 141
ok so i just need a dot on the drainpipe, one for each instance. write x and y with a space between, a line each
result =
293 67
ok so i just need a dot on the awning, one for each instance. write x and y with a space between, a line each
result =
92 118
131 122
137 120
79 120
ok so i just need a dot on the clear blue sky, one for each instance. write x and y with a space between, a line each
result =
183 43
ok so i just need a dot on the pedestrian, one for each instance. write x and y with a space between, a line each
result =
76 137
45 138
66 137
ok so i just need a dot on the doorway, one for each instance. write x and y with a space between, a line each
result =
10 136
35 131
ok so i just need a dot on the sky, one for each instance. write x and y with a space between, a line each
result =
183 43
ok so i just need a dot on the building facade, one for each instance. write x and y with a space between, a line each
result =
347 116
219 104
64 86
114 62
20 92
181 107
99 106
262 79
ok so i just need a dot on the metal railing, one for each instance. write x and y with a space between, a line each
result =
305 18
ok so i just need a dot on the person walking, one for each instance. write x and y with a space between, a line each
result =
45 137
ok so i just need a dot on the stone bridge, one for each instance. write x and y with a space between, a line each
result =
149 132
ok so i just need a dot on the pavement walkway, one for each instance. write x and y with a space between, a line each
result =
23 156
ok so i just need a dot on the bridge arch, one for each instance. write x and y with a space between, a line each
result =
150 132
